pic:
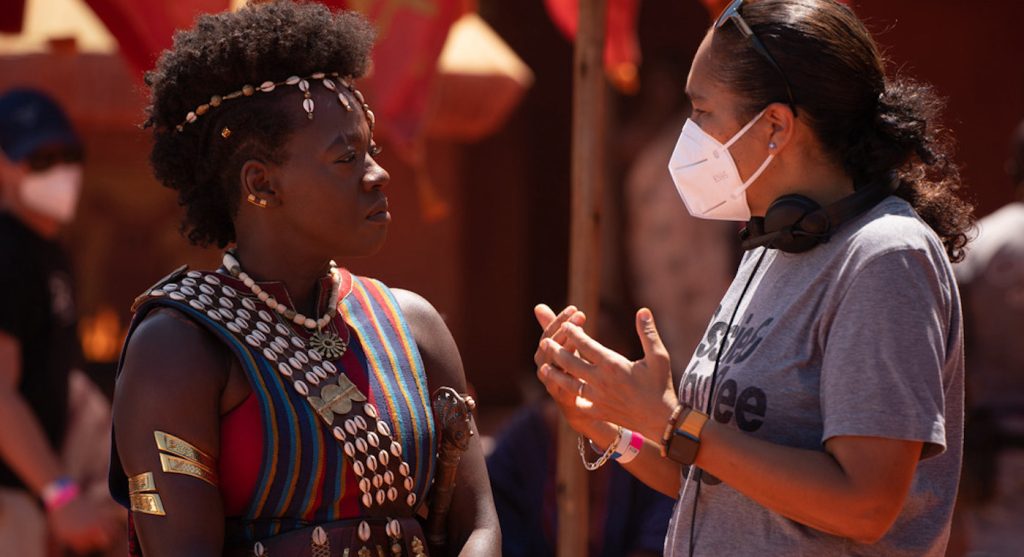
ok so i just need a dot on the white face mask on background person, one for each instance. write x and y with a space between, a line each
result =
53 192
706 176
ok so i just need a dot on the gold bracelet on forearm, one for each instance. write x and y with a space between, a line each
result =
143 495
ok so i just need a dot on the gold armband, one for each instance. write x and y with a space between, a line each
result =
175 465
178 456
143 496
141 483
179 447
147 503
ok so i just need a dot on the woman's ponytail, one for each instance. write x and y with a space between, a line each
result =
904 135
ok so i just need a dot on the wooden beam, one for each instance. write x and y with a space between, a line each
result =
585 246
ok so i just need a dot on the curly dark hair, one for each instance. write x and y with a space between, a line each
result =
868 123
261 42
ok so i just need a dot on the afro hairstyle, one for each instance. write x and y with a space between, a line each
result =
267 41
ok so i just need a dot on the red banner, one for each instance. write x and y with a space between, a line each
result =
621 47
411 34
145 29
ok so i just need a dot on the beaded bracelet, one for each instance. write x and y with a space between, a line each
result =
605 457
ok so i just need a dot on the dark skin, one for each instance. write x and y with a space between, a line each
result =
326 201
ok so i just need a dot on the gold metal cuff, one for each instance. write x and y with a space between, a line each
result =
147 503
141 483
179 447
175 465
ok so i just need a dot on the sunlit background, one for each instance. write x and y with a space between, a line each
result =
474 107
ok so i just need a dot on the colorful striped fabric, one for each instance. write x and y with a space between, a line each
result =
305 477
400 383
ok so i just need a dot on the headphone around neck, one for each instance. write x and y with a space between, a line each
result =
795 223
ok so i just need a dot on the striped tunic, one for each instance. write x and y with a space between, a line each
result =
307 474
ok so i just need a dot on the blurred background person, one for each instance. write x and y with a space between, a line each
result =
627 518
40 180
991 279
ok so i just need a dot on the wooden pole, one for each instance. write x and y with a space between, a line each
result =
584 260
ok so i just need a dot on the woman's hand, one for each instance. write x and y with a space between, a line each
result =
552 325
598 431
563 332
596 384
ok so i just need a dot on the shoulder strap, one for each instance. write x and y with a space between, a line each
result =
394 359
172 276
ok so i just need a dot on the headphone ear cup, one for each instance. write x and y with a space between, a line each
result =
787 211
785 216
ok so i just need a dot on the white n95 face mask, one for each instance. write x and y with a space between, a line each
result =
53 192
706 177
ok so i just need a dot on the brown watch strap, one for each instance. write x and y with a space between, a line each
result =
685 440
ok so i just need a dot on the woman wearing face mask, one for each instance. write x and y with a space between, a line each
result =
40 181
279 405
821 414
41 161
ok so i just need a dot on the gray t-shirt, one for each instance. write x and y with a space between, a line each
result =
859 336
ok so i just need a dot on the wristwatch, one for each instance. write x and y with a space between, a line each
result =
685 440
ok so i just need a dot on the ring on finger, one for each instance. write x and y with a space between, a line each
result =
579 391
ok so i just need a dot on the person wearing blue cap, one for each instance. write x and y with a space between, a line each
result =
40 181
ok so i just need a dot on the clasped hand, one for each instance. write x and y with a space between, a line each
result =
592 383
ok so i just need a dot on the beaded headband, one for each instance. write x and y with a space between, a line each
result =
307 100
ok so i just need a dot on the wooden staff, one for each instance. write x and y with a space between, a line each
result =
588 114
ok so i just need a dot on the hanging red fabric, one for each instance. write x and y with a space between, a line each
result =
621 47
411 34
145 29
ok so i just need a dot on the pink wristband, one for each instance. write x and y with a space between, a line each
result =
636 442
628 447
60 492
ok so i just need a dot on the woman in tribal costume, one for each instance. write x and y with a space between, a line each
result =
279 405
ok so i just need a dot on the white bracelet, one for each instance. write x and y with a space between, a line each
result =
628 447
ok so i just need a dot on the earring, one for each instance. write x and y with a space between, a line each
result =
772 146
261 203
